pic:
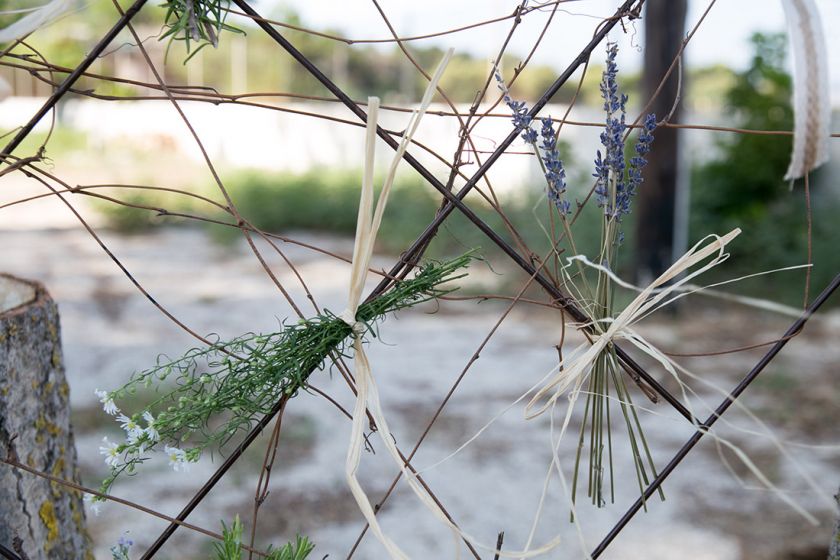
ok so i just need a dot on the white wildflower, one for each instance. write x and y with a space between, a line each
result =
107 402
132 428
177 459
151 430
94 503
111 452
140 444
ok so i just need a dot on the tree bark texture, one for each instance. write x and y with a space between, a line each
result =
834 546
48 518
656 199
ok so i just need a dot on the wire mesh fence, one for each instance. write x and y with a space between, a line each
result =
625 367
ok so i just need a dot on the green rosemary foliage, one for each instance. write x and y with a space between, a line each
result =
196 21
231 546
298 551
224 388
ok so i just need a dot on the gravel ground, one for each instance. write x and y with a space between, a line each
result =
712 511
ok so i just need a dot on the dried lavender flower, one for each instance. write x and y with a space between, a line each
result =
616 184
555 174
520 118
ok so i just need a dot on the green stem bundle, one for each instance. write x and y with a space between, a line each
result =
224 388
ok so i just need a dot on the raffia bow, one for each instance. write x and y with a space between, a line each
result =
367 394
574 371
367 397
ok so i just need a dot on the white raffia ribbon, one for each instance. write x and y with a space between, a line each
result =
5 89
37 18
574 371
811 102
367 394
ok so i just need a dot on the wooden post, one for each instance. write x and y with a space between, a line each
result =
656 200
49 519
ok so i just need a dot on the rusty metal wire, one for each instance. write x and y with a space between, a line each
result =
533 265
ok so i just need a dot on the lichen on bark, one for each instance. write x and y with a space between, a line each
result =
35 426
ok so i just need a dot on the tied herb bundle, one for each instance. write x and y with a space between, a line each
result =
224 388
616 182
197 22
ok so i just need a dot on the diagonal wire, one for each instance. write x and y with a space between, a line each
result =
73 77
456 201
703 428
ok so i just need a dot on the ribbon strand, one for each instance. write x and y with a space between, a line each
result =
367 227
811 103
367 398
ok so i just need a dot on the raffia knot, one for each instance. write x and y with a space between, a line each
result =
350 318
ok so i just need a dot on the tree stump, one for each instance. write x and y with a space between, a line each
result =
46 517
834 546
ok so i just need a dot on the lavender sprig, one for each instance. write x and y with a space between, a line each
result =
616 183
634 173
555 174
609 85
520 118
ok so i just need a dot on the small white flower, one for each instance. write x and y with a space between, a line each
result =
107 402
132 429
110 450
151 430
142 444
94 503
177 459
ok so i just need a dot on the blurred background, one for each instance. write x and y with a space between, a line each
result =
291 157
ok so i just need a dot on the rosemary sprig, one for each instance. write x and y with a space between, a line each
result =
231 546
196 21
224 388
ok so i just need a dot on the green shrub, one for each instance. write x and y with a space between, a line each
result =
328 202
744 187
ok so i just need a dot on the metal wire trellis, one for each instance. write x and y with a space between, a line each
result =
630 9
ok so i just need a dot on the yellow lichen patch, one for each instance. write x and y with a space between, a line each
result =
64 390
42 424
30 460
52 330
47 515
78 520
56 357
57 471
